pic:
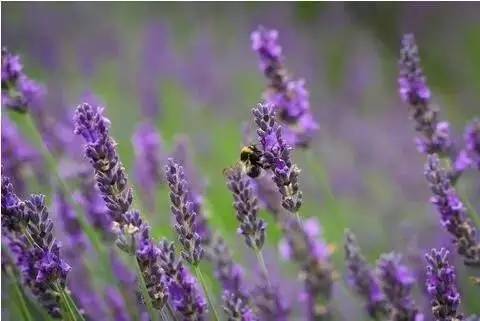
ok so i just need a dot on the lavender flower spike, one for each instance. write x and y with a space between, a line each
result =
28 231
441 286
236 309
276 154
363 279
397 284
101 151
452 212
18 91
246 205
184 214
288 96
414 91
183 290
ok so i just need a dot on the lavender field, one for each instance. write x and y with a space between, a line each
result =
240 161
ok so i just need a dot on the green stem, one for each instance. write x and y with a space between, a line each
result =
199 275
73 306
146 296
171 312
21 298
263 266
69 313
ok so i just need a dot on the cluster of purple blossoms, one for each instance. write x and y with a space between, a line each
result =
414 91
183 289
236 299
441 286
101 151
28 231
246 206
148 147
452 212
276 156
269 304
18 91
305 246
184 214
397 284
363 279
288 96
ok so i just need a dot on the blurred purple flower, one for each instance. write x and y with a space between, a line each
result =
269 303
18 156
415 92
246 206
452 212
236 309
397 284
441 286
71 225
184 213
290 97
305 247
116 304
18 91
471 153
276 154
149 158
362 278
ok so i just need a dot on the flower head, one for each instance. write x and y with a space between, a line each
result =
18 91
236 309
452 212
183 213
276 154
440 283
362 278
472 142
413 87
289 97
397 284
246 206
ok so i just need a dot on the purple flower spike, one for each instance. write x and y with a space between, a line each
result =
415 92
184 213
183 290
311 253
412 83
18 91
116 303
269 303
102 153
147 257
362 278
397 284
452 212
288 96
236 309
246 206
440 283
71 224
28 231
148 147
276 154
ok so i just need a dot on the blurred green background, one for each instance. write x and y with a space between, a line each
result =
193 65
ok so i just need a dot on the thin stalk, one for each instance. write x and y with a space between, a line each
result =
21 298
199 275
73 305
263 266
146 296
163 315
171 312
68 310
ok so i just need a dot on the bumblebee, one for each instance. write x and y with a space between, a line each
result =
251 158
